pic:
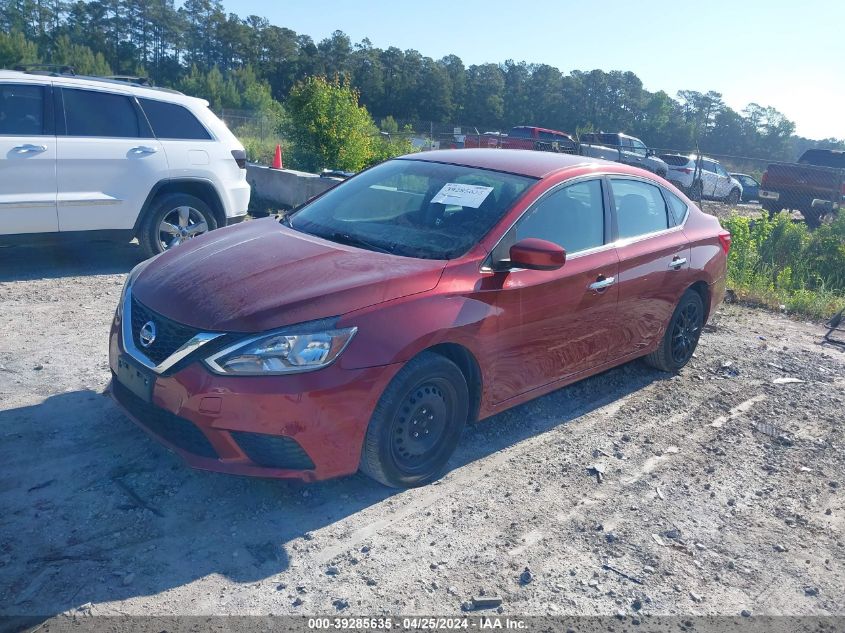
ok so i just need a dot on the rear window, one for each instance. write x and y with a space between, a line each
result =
673 159
103 114
823 158
172 121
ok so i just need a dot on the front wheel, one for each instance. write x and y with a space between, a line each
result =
682 334
733 197
172 220
417 423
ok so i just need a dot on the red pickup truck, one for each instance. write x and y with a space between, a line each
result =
815 185
525 137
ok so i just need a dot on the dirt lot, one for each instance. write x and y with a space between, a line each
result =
722 489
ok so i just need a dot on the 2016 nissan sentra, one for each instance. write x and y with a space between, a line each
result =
365 330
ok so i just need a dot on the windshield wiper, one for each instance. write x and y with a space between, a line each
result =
352 240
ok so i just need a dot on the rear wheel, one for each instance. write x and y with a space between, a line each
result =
682 334
174 219
772 207
695 191
417 423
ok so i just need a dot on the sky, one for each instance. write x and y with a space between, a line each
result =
781 53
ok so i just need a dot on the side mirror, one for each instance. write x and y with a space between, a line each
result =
536 254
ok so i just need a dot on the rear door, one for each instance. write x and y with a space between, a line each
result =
107 160
557 323
653 256
709 179
27 159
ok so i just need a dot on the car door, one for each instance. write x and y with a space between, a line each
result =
107 160
709 179
27 159
723 182
638 153
654 270
554 324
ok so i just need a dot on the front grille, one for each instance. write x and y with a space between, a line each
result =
273 451
170 335
178 431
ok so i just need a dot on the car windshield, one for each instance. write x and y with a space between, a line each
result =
413 208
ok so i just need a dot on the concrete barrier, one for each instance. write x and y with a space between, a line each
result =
283 188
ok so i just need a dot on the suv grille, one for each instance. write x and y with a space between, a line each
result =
170 335
178 431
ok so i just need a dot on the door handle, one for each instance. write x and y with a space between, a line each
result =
29 148
143 149
676 263
601 284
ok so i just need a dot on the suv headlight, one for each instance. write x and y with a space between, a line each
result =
295 349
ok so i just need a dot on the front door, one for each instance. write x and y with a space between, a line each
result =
27 160
554 324
107 161
653 265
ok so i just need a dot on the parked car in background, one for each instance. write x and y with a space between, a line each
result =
815 185
622 148
713 182
470 281
90 157
750 186
524 137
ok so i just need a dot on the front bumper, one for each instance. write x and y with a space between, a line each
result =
308 426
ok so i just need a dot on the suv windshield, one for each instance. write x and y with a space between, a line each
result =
413 208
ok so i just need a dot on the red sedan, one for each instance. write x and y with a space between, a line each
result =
365 330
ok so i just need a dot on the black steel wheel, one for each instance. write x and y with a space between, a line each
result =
682 333
417 423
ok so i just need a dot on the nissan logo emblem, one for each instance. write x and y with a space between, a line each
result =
147 335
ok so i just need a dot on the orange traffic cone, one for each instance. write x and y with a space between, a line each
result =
277 159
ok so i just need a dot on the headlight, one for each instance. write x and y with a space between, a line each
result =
292 350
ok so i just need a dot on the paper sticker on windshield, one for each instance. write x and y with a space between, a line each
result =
462 195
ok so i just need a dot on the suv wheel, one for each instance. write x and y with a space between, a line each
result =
173 219
733 196
417 423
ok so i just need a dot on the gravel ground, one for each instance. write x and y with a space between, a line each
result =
721 492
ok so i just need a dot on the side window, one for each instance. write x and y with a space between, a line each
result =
92 113
721 170
22 110
640 208
572 217
677 207
708 165
639 148
172 121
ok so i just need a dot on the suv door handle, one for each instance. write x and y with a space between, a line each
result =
677 262
29 148
601 283
143 149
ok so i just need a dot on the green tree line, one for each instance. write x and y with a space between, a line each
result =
248 63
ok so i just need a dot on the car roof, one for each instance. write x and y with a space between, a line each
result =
515 161
82 81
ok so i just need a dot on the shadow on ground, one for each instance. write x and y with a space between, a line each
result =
67 259
96 511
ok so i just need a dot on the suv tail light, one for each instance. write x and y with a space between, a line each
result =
725 241
240 157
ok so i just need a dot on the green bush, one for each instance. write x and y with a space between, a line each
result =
780 262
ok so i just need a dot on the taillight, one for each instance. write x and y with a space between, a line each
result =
240 157
764 178
725 241
686 170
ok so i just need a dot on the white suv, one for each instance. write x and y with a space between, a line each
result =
91 157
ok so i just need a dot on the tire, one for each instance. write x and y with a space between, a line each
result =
171 207
771 207
682 334
733 196
429 394
812 218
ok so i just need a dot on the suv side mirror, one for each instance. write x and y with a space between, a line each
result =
536 254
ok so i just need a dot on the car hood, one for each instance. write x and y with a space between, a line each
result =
261 275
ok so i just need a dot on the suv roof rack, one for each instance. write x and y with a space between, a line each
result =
130 79
53 70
